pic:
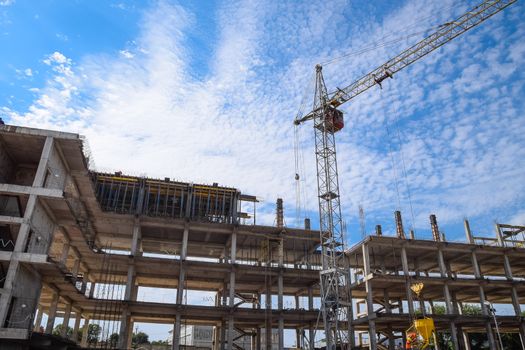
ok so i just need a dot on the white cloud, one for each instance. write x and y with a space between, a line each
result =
6 2
460 129
126 53
28 72
56 57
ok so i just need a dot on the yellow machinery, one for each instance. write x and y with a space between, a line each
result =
422 330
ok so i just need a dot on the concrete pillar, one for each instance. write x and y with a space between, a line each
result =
468 233
180 287
76 327
85 329
38 319
399 225
233 259
506 266
406 272
499 237
52 313
299 331
126 330
435 229
280 288
369 299
23 231
258 339
311 328
223 335
65 322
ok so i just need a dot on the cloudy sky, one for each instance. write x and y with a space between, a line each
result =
207 92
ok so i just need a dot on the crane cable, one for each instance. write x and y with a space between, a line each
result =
391 152
300 191
403 164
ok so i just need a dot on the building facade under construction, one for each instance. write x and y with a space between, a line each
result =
76 246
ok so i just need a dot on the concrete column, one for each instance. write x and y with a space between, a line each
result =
299 331
280 288
233 259
52 313
369 299
78 317
506 266
85 329
180 287
311 307
38 319
216 337
92 290
23 232
501 242
65 322
223 335
258 338
125 332
406 272
468 233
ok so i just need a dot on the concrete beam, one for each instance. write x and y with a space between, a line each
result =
16 190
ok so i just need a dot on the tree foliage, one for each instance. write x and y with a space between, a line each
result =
58 330
140 338
93 333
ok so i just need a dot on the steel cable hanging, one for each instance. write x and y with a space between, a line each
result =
403 164
391 152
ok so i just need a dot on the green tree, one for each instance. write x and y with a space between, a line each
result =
159 342
471 310
113 340
93 333
58 331
140 338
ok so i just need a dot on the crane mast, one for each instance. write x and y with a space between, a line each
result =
336 303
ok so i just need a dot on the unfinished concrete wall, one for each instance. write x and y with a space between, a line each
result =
56 172
26 292
6 165
42 229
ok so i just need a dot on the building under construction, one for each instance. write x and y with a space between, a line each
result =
76 245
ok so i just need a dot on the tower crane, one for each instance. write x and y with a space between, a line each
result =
328 120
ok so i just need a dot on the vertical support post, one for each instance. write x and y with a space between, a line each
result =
52 313
310 308
501 241
435 229
233 257
406 272
76 327
180 287
280 289
468 233
399 225
85 332
379 230
65 322
298 331
369 299
130 293
38 319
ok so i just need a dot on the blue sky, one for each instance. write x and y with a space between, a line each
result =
207 92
